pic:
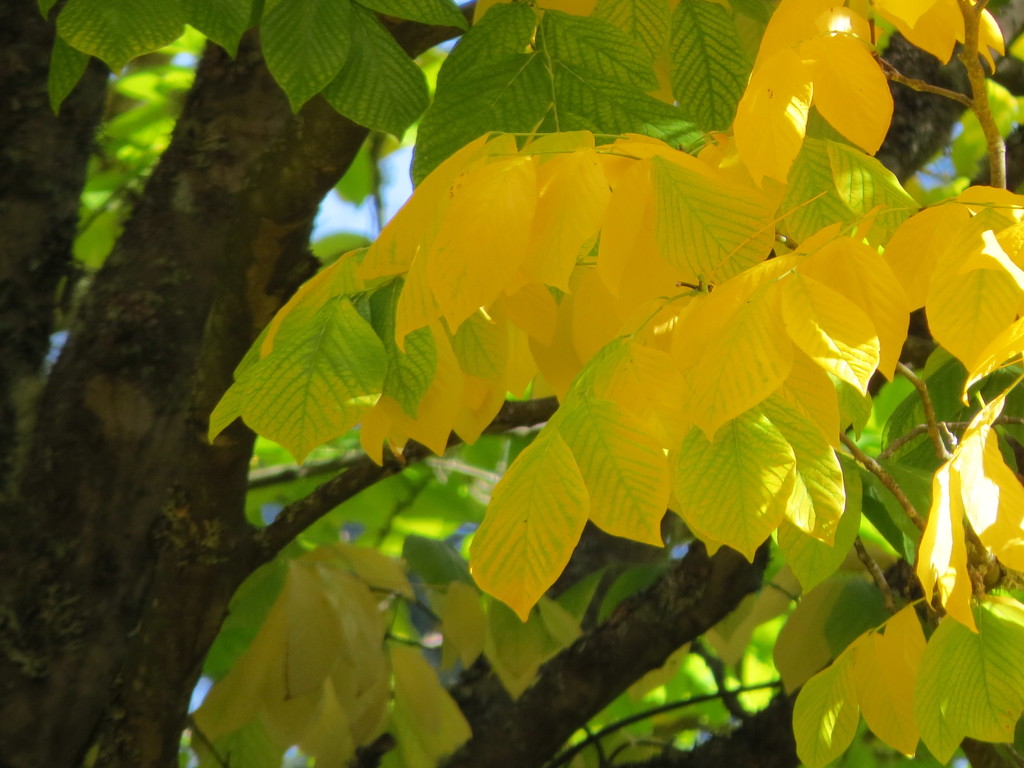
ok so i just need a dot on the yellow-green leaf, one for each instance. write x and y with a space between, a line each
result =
428 724
536 515
706 225
317 381
464 624
732 491
624 468
830 329
971 684
826 712
886 674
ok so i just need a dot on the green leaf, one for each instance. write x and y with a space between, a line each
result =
434 561
481 346
223 21
647 22
864 184
728 490
624 468
316 382
442 13
708 64
972 684
117 32
67 65
811 202
410 373
826 714
305 43
705 225
582 73
812 560
379 86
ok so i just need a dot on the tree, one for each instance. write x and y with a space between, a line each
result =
655 228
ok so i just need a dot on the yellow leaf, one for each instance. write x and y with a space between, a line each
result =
536 515
914 249
771 119
376 569
573 197
972 683
745 358
972 296
595 320
483 238
830 329
415 225
314 631
1008 345
329 739
811 559
416 305
942 554
558 361
237 698
994 498
481 346
731 637
627 238
792 22
809 391
533 309
728 490
425 718
861 275
907 11
482 399
817 469
464 624
826 712
850 90
936 30
885 675
625 470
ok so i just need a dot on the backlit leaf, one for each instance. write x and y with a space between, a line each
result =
972 683
536 515
728 491
826 712
625 470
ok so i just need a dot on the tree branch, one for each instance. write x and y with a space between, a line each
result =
693 595
363 473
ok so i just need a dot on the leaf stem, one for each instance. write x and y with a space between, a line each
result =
876 574
887 480
920 85
922 429
929 410
970 56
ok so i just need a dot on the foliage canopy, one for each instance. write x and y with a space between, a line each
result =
667 215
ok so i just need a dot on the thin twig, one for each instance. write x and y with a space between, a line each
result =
921 429
970 56
929 410
920 85
565 757
876 574
888 480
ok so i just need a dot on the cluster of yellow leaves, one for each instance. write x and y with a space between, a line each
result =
318 673
819 53
960 684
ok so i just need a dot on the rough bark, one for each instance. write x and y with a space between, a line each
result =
42 170
119 553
